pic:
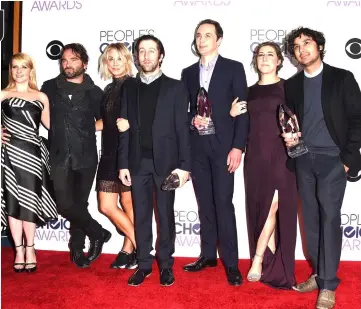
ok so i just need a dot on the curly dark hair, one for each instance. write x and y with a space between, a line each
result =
77 49
317 36
277 49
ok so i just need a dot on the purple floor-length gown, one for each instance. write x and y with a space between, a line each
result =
264 172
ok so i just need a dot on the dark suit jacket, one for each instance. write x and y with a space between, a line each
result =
228 82
341 105
170 130
73 122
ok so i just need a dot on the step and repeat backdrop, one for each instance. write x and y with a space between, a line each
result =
48 25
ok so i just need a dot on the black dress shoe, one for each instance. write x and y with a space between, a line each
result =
138 277
79 258
234 276
200 264
96 245
166 277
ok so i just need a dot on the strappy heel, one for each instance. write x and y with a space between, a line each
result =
33 264
19 269
254 277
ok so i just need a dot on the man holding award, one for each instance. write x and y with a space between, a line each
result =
153 153
327 102
217 144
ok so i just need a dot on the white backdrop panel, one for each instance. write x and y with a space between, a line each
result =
245 24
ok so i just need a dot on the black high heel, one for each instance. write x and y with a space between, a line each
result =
16 269
34 264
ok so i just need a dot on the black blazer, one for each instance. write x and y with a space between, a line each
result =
170 130
73 122
228 82
341 105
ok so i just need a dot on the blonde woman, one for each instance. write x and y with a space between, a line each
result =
27 193
115 63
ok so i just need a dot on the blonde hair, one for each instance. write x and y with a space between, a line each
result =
29 62
125 55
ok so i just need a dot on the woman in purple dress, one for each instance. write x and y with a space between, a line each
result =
271 192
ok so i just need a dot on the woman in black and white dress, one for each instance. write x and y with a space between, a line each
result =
26 189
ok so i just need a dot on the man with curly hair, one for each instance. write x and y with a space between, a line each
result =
327 102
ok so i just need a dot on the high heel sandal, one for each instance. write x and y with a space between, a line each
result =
34 264
254 277
17 269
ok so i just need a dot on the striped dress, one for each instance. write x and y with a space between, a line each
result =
26 189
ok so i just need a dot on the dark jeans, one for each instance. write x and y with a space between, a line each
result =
142 192
322 182
72 189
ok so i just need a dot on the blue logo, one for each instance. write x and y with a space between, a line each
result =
128 37
351 231
187 222
57 224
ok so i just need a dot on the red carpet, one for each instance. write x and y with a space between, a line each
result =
58 284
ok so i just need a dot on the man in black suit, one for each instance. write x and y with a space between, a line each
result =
327 102
216 157
74 107
156 144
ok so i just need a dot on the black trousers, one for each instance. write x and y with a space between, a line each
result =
72 189
322 182
142 192
213 187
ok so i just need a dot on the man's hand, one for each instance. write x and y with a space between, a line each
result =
200 122
122 124
124 177
346 168
291 139
234 159
183 176
238 108
5 137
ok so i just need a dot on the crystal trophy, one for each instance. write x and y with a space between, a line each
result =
172 182
289 124
204 108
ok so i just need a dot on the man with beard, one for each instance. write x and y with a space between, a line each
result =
327 102
156 144
74 107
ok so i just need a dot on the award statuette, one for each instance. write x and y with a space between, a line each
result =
204 108
289 124
171 183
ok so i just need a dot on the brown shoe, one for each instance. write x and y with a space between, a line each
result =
307 286
326 299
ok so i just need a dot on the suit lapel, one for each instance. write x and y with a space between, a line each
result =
326 93
299 96
216 78
160 102
195 75
136 106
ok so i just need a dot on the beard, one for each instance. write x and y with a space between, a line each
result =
73 74
149 68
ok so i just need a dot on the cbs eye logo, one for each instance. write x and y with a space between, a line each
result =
53 49
353 48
